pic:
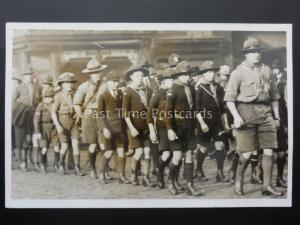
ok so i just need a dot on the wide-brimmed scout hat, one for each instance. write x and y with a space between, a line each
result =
66 77
166 73
194 70
224 70
47 80
94 66
251 44
48 92
207 66
276 64
112 76
28 70
134 69
174 59
182 68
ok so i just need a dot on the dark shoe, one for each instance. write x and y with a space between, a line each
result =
102 178
37 167
93 174
123 179
61 170
238 188
78 171
270 191
191 190
107 176
147 182
281 182
172 189
200 175
43 169
255 178
220 177
135 180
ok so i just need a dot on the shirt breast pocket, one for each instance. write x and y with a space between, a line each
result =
248 89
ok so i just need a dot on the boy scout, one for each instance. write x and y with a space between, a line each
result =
277 71
135 104
86 107
64 119
180 107
25 99
157 127
249 94
112 126
212 117
44 127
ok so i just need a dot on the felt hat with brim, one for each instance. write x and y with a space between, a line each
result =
66 78
276 64
174 59
166 73
251 44
134 69
94 66
112 76
14 77
48 92
28 70
182 68
207 66
47 80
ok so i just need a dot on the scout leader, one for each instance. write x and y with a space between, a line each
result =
212 117
157 127
44 127
252 98
135 105
86 107
112 126
25 99
282 136
64 118
180 108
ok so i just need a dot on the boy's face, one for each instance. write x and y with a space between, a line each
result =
47 99
253 57
209 75
275 71
96 76
112 84
68 86
137 78
185 78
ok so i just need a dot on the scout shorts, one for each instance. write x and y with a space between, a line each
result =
259 134
163 140
185 141
142 140
212 135
91 128
71 130
117 140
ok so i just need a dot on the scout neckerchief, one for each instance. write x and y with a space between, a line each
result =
188 93
141 92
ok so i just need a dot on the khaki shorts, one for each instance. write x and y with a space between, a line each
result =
259 134
71 130
90 129
140 141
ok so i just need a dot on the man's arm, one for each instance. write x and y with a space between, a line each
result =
238 121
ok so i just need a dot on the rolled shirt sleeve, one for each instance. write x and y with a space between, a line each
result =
232 88
79 96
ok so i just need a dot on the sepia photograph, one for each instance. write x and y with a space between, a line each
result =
154 115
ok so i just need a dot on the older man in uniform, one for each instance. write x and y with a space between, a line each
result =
65 121
251 95
86 107
180 120
25 99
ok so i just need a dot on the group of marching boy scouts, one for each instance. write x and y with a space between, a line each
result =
160 119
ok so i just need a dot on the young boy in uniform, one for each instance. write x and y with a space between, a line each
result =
157 127
212 116
63 116
135 104
112 126
43 126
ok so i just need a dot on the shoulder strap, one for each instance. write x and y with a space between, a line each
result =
91 98
214 97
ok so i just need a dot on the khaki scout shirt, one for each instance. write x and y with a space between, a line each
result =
85 92
251 84
62 103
